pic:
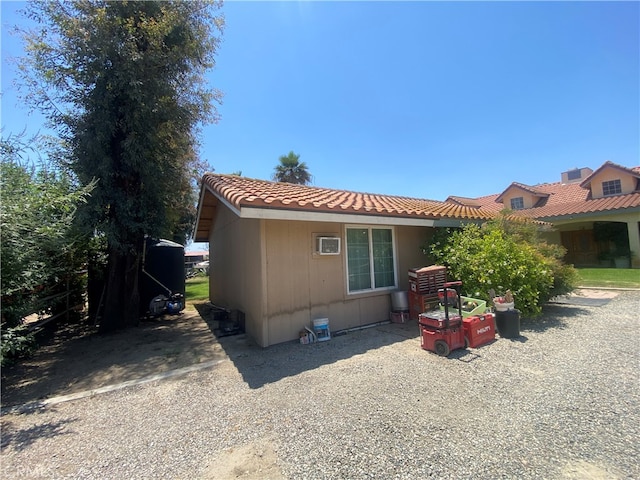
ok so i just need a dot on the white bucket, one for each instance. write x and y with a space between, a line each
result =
321 329
503 307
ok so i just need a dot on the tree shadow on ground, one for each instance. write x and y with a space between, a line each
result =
553 316
73 357
20 439
261 366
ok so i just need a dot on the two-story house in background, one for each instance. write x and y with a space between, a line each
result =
595 214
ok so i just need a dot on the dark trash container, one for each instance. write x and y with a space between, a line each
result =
508 323
164 262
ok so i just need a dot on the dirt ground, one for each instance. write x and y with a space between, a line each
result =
74 358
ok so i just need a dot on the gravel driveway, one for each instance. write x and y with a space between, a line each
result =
561 401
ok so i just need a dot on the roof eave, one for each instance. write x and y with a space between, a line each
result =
578 215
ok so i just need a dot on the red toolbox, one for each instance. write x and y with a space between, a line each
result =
441 340
421 303
427 280
479 329
438 319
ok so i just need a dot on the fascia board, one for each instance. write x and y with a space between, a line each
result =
226 203
277 214
200 205
572 216
456 222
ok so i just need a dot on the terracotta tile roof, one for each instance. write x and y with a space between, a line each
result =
559 200
243 192
488 202
534 190
635 171
469 202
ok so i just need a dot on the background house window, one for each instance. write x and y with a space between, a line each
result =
370 262
612 187
517 203
573 174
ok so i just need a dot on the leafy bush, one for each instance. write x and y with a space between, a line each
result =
17 342
502 255
40 249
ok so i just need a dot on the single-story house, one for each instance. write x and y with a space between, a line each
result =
286 254
195 257
595 214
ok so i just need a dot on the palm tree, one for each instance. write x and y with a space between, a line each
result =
292 170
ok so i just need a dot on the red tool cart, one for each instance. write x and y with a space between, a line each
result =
441 332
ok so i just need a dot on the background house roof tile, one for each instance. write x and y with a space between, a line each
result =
635 171
559 199
527 188
469 202
248 192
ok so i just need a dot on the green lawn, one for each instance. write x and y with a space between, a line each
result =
609 277
197 289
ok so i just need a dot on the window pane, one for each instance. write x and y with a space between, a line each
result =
612 187
573 174
384 273
358 259
517 203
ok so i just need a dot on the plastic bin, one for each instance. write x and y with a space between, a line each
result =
508 323
479 310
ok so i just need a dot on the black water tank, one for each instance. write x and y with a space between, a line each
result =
164 261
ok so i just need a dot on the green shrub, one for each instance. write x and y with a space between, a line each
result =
41 245
17 342
505 255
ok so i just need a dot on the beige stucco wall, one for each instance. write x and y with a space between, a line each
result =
236 267
302 285
269 270
528 199
627 182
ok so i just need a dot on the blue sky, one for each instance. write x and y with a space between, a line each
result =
424 99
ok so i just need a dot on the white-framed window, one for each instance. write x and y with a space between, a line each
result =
370 258
517 203
612 187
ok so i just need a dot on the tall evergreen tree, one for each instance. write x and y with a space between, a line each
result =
292 170
123 82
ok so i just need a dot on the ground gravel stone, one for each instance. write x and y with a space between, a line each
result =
560 402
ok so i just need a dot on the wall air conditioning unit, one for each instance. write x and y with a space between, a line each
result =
328 245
